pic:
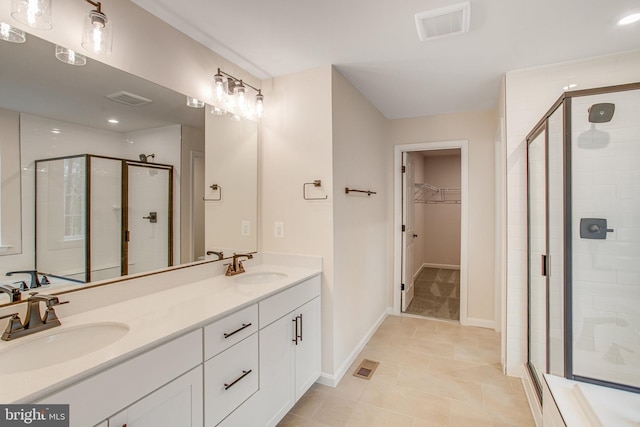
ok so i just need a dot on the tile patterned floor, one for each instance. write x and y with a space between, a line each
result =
432 374
436 294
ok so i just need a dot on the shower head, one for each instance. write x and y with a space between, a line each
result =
601 113
145 157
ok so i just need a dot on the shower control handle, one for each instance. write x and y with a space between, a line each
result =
153 217
594 228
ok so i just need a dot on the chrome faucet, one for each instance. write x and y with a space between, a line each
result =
13 292
33 321
236 266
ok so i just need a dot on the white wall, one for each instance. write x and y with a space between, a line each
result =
529 94
479 129
192 142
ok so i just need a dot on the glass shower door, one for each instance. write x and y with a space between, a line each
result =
605 220
148 235
537 263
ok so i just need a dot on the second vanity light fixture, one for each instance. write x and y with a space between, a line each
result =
97 35
232 92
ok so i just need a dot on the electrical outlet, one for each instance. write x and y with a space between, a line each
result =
278 229
245 228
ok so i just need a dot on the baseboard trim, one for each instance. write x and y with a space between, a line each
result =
332 380
432 265
480 323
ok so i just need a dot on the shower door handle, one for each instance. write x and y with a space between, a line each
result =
544 267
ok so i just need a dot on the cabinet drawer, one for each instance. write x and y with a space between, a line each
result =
286 301
230 330
230 378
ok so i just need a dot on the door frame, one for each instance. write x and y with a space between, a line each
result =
463 145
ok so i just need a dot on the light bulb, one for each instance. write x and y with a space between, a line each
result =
97 33
259 104
218 86
241 99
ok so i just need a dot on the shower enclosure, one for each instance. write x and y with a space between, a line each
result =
100 217
583 161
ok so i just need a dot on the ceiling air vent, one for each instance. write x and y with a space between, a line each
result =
128 98
445 21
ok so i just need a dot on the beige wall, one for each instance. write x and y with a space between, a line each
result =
440 240
192 142
296 148
362 251
479 129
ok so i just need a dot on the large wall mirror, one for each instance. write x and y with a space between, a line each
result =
97 163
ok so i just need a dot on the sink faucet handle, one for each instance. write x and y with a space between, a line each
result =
15 324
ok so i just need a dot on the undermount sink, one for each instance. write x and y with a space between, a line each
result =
259 278
58 345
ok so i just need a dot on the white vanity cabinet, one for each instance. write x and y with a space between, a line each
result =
231 363
178 403
150 376
289 348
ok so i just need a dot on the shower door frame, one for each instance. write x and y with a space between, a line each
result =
124 213
564 101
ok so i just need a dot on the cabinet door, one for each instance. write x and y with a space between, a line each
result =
276 370
307 349
179 403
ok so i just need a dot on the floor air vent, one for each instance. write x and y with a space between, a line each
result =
443 22
128 98
366 369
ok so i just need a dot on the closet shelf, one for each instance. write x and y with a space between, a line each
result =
427 193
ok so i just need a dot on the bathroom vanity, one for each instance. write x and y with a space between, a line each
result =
220 351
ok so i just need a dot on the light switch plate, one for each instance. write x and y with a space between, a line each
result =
246 228
278 229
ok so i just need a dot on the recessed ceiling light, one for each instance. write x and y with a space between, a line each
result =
113 121
629 19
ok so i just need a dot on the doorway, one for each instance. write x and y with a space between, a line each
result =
430 256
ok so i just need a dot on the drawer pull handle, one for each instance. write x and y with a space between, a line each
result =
244 326
298 327
244 374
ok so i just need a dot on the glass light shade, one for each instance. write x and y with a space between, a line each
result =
194 102
97 35
259 104
69 56
11 34
219 91
218 111
241 96
34 13
236 117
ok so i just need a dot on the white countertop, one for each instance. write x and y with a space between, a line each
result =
153 319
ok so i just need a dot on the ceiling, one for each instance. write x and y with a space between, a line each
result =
374 43
35 82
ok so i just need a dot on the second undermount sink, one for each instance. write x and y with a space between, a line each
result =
58 345
259 278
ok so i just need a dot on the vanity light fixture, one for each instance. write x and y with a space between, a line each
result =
11 34
233 92
97 35
218 111
194 102
34 13
69 56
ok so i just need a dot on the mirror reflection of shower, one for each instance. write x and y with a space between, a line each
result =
145 157
594 138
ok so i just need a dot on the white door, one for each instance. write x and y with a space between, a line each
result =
148 219
179 403
409 229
